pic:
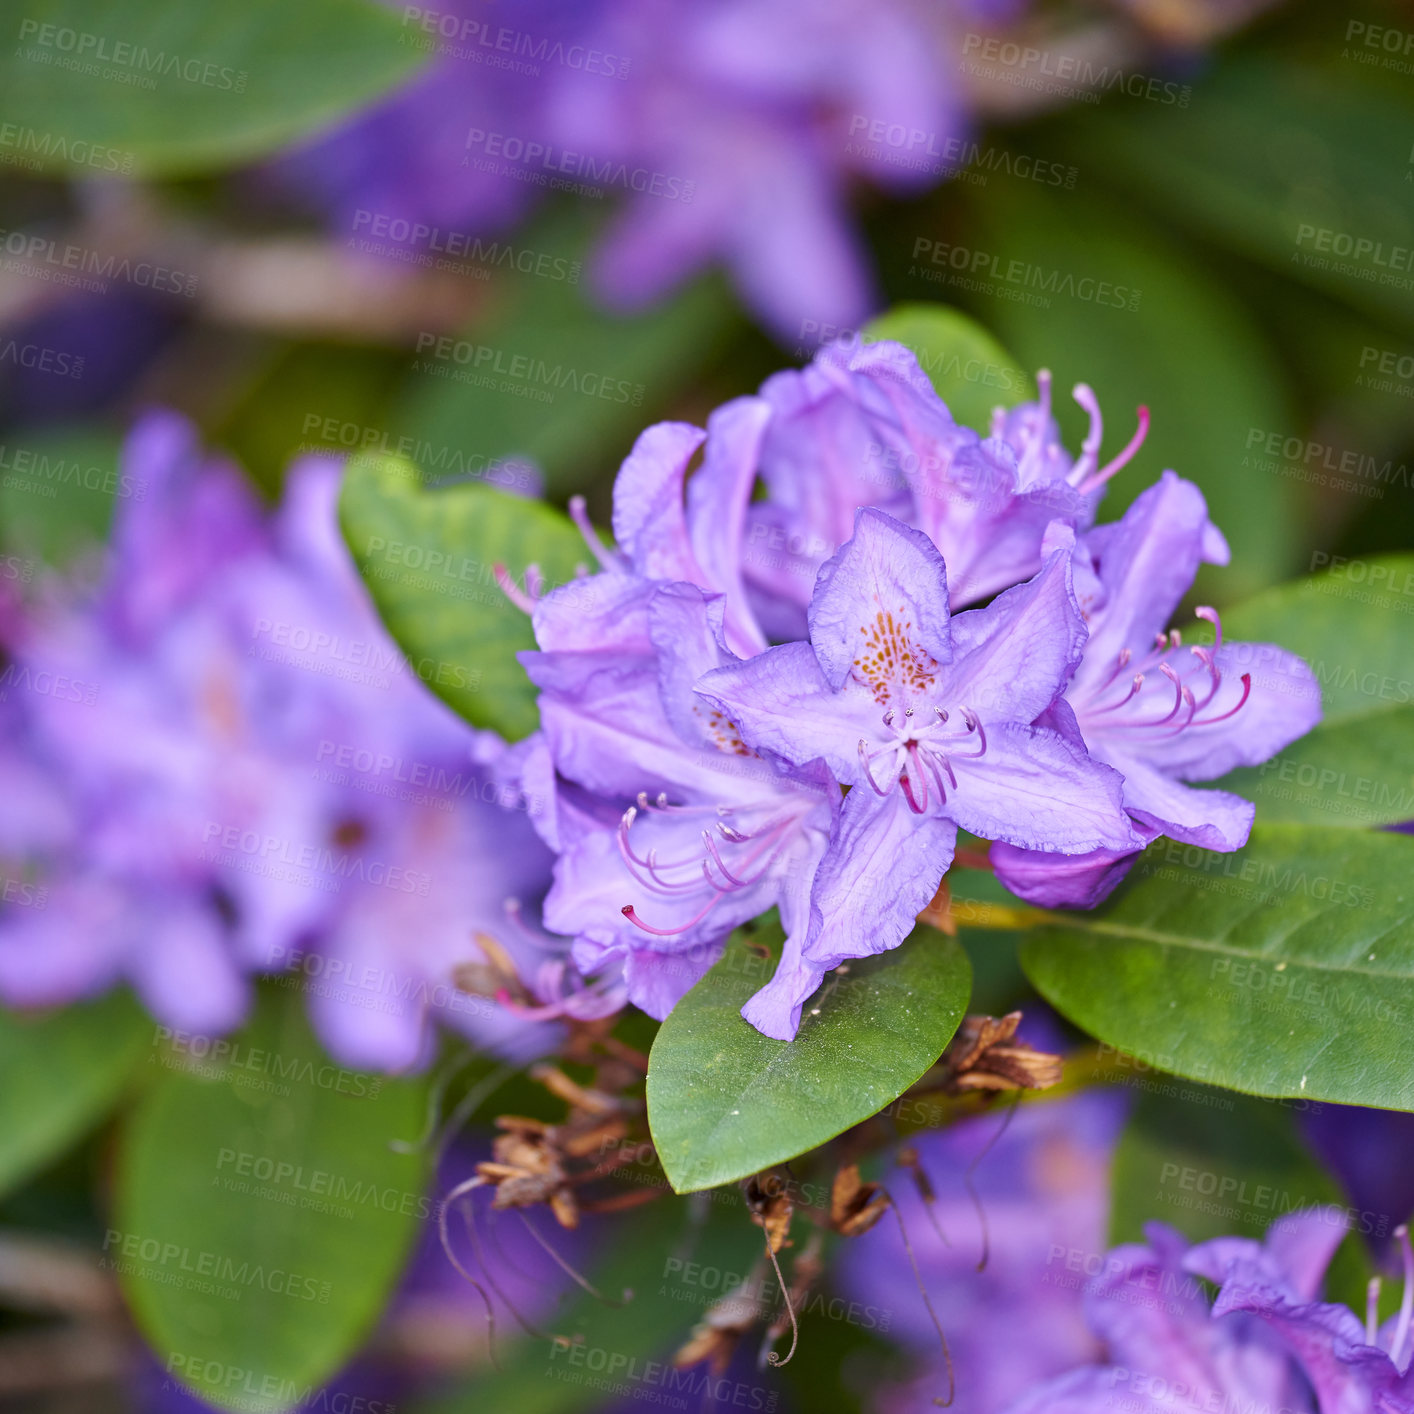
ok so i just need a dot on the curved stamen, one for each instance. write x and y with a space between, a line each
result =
974 724
1128 696
1126 455
937 765
1241 703
917 766
1397 1351
628 912
523 601
1173 677
908 795
1214 672
1121 663
1089 457
717 859
580 516
651 862
1203 611
1372 1312
1188 697
868 774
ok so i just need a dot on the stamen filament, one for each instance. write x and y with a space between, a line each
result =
580 516
1126 455
1397 1351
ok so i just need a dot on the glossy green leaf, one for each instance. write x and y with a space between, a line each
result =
724 1101
1354 625
1285 969
428 558
971 371
60 1072
262 1216
157 89
1098 299
548 375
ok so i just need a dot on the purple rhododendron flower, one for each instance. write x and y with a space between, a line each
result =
420 159
863 426
670 831
742 124
1043 1191
729 134
929 720
1266 1341
222 765
1158 712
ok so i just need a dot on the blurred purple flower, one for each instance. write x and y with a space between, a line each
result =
1043 1188
1266 1342
414 159
745 121
863 426
731 133
1159 713
222 765
928 721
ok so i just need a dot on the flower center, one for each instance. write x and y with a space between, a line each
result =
921 751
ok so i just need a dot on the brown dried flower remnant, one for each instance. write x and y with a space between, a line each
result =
985 1055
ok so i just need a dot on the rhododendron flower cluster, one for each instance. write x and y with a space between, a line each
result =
217 764
964 649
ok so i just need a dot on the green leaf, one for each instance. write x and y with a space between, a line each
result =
1270 155
551 377
1284 969
156 89
1216 1164
724 1101
262 1217
58 495
427 557
971 371
60 1072
1155 330
1354 625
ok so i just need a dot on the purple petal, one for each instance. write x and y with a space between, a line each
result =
1062 880
1210 819
881 870
649 522
886 590
1015 656
717 499
658 981
1034 790
782 704
1327 1340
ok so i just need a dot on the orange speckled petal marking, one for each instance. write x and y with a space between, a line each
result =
889 659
